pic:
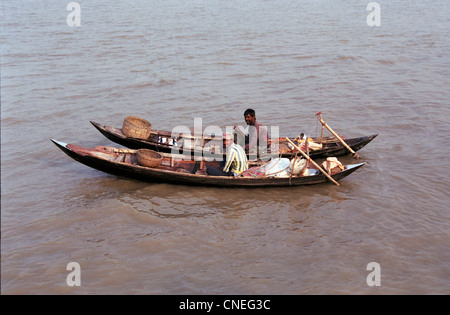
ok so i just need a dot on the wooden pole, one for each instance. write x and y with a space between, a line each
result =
307 145
356 156
321 135
124 151
314 163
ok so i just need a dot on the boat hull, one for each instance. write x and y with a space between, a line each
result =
329 149
156 175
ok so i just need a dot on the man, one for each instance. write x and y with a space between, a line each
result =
236 161
257 138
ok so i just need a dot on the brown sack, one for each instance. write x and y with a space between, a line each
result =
332 166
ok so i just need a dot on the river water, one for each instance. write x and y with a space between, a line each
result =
173 61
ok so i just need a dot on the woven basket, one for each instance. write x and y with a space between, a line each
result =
149 158
135 127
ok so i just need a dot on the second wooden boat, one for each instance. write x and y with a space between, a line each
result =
162 141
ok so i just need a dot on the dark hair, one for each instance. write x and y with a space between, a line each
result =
250 112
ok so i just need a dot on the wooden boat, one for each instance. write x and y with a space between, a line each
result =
123 162
162 141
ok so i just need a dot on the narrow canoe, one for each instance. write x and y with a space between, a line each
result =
162 141
123 162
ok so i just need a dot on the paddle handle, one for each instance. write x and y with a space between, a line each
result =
356 156
314 163
124 151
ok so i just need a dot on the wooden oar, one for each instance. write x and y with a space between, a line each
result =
124 151
314 163
356 156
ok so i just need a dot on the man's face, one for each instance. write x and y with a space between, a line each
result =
249 119
228 142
